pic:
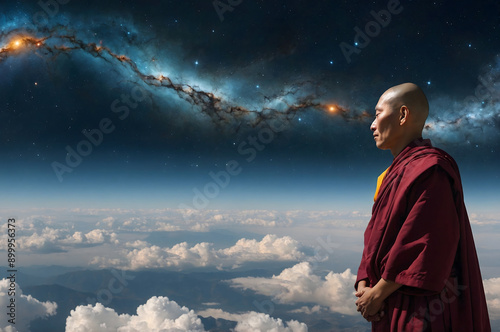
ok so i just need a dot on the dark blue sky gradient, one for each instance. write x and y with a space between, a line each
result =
260 55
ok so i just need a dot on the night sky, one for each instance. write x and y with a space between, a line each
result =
258 104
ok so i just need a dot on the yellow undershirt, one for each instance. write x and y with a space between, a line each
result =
380 178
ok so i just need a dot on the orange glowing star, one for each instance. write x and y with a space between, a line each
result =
332 109
16 43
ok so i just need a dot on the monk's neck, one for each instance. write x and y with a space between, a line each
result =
398 149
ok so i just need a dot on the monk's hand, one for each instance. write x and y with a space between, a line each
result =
360 291
378 316
370 304
361 287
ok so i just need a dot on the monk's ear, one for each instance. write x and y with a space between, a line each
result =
403 114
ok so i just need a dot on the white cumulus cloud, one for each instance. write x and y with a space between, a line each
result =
158 314
27 308
263 322
299 284
49 239
270 248
96 236
40 240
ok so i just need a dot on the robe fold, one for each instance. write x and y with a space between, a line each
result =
420 236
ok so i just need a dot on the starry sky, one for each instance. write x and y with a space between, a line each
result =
249 105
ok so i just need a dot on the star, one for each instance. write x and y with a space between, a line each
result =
16 43
332 109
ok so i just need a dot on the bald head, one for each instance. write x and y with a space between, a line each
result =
400 117
411 96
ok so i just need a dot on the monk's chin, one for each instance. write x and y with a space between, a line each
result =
380 146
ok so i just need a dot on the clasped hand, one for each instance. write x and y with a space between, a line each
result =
370 307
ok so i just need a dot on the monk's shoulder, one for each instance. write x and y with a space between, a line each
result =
427 160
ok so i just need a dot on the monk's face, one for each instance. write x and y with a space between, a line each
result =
386 126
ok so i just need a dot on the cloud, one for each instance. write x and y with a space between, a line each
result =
108 222
162 314
263 322
151 220
9 329
221 314
96 236
254 321
65 222
298 284
271 218
41 241
49 240
158 314
270 248
308 311
482 219
137 244
492 291
27 307
48 231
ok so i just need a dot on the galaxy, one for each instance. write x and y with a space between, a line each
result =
237 130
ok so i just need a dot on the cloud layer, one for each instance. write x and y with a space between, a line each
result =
60 230
270 248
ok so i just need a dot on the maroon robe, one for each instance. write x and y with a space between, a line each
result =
420 236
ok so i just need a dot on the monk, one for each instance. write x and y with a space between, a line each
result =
419 270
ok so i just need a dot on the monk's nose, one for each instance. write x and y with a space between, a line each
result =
372 126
